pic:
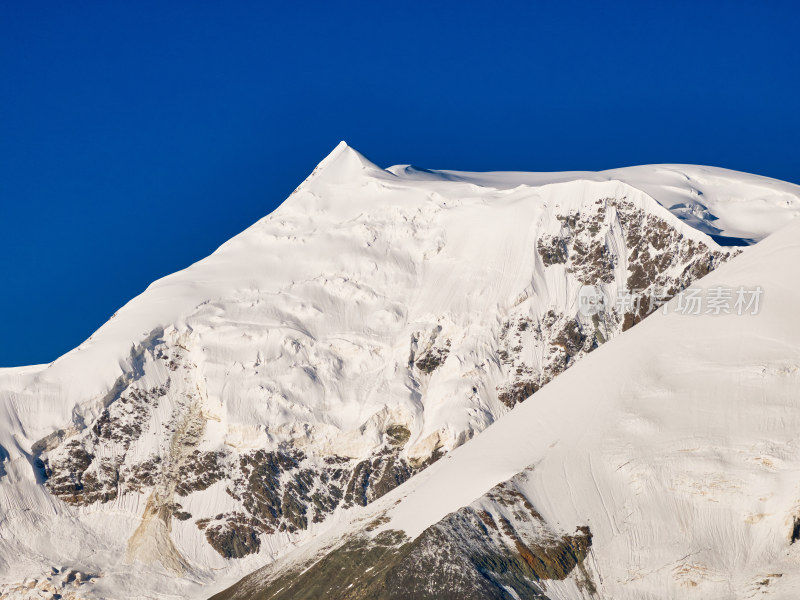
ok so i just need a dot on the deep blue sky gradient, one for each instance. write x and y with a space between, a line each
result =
136 137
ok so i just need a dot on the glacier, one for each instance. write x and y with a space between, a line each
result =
335 353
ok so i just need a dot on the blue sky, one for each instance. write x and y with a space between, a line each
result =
136 137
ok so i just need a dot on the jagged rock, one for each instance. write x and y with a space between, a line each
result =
498 543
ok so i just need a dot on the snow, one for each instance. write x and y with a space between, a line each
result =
720 202
741 205
305 318
677 444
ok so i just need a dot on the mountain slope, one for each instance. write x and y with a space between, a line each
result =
665 465
373 323
734 208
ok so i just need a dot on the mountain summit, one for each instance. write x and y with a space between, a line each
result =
337 350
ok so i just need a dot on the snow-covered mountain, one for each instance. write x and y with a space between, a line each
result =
336 349
663 466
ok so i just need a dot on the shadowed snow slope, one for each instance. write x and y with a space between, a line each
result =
376 321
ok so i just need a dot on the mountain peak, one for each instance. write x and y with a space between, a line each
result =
344 163
371 325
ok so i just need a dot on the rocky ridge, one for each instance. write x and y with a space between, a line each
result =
499 547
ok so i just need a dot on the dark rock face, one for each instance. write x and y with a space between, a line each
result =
279 491
552 250
78 474
372 479
611 240
235 538
517 391
497 544
398 435
123 420
3 459
428 351
201 471
67 481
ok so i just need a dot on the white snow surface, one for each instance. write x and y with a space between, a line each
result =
717 201
356 259
677 444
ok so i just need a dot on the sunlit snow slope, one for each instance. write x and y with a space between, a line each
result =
337 348
735 208
665 465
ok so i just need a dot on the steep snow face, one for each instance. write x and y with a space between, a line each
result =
375 321
663 466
